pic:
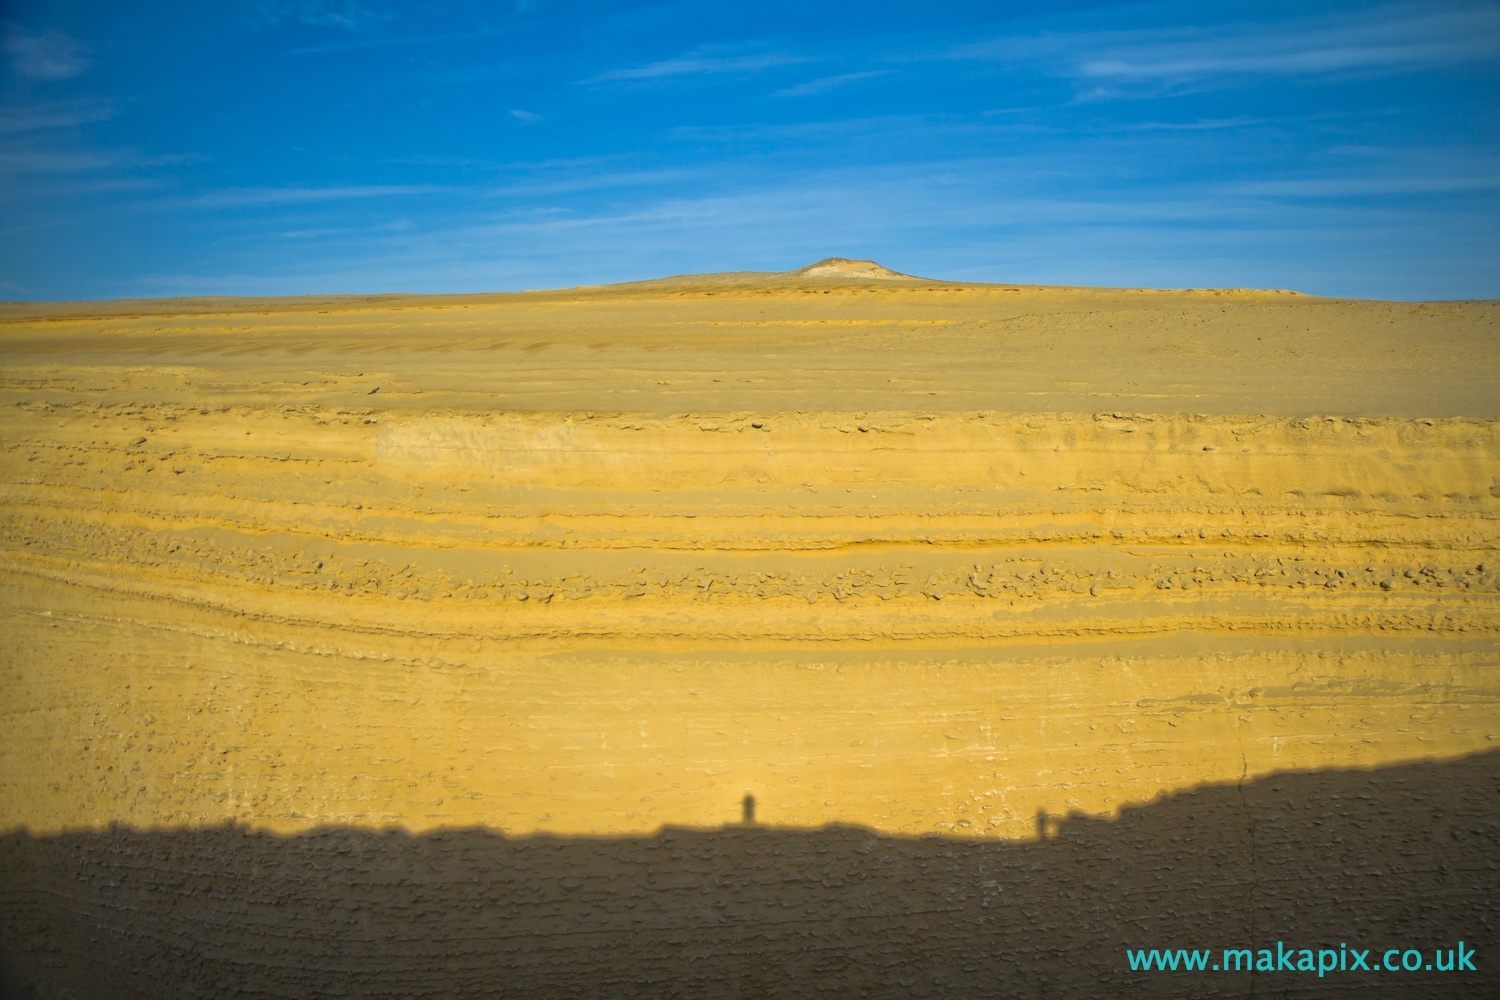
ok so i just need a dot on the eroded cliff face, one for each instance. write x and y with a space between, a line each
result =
983 564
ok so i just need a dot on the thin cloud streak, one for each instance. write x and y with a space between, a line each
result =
593 182
1211 125
236 197
1386 39
350 15
1362 187
51 116
242 197
390 41
39 161
699 65
1327 59
843 127
828 83
34 193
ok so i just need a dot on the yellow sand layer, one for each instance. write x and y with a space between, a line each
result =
917 556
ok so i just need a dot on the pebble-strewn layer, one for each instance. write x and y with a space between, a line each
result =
563 570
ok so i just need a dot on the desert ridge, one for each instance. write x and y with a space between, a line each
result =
776 343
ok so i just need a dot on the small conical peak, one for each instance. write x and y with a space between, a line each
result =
843 267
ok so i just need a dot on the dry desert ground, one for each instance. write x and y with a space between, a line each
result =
830 632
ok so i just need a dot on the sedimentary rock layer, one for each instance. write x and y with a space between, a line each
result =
513 550
978 562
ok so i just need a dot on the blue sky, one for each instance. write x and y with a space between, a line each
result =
316 146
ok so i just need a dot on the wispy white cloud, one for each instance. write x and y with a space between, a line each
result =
828 83
51 161
525 116
702 62
394 226
71 190
233 197
423 160
550 179
50 116
48 56
590 182
840 127
389 42
350 15
1202 125
1385 39
1363 187
39 161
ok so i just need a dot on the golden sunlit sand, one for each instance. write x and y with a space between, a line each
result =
918 557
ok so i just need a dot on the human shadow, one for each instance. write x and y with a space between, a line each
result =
1404 857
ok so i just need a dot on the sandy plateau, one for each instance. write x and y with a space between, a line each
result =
942 564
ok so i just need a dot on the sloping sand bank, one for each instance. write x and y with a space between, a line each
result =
980 563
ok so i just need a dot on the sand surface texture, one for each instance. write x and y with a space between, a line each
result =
993 566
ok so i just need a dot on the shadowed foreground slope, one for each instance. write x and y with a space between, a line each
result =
1399 857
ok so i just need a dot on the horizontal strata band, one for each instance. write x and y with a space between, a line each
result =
812 527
